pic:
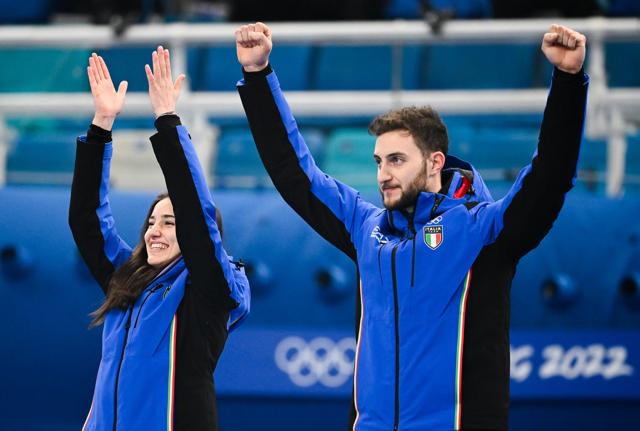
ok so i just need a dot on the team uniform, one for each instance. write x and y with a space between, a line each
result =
433 339
158 356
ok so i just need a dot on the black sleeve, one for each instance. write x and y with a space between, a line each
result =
85 201
198 236
535 207
271 135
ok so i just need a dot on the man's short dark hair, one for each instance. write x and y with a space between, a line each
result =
422 123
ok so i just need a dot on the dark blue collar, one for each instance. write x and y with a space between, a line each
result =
426 208
171 271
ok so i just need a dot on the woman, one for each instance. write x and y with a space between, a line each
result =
171 301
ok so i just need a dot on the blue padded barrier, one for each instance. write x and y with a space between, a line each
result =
260 226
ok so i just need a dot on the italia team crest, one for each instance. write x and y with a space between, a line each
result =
433 236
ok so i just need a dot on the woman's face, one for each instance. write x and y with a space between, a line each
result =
160 237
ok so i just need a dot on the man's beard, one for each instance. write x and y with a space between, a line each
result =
409 196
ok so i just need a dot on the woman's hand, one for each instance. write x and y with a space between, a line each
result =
163 92
108 103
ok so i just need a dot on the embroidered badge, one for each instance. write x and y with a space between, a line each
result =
433 236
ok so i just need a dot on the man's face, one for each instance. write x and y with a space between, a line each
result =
402 169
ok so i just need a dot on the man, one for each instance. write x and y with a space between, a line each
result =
436 264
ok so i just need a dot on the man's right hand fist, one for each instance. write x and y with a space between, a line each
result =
253 46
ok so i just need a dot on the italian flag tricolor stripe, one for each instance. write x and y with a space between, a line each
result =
88 416
355 371
172 371
433 239
463 310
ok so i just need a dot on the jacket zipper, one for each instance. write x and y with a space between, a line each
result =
115 392
395 307
435 206
153 289
412 228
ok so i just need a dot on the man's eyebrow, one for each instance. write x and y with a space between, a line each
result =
396 154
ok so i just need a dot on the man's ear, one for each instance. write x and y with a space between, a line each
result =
437 159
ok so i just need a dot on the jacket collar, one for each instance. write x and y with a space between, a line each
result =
169 272
454 172
426 207
430 205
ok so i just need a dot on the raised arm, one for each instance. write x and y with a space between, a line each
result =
90 218
528 211
211 272
333 209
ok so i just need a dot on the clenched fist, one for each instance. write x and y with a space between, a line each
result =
253 46
564 48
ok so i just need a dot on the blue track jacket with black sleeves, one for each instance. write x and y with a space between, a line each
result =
420 365
159 354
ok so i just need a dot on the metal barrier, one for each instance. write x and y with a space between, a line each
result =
611 112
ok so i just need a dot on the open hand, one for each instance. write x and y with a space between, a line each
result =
564 48
108 103
163 92
253 46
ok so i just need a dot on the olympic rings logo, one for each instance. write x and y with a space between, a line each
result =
321 360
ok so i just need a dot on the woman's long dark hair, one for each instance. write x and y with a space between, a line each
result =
128 281
131 278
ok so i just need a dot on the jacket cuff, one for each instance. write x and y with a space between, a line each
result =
254 76
165 122
98 135
559 75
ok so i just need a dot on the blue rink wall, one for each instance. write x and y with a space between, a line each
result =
575 354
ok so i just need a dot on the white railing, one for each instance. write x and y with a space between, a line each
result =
611 112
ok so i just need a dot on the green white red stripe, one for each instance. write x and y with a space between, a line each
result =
355 370
463 310
88 416
433 239
172 371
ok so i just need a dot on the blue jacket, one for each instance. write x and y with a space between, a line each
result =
416 269
158 355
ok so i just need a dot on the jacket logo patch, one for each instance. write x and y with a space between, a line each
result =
435 220
375 233
433 236
166 292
